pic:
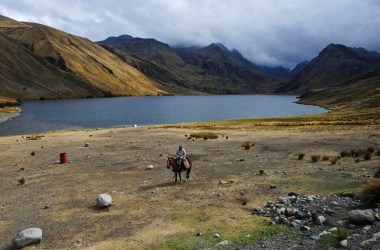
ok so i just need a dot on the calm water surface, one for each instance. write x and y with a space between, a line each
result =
42 116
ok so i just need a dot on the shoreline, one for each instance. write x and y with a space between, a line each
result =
6 115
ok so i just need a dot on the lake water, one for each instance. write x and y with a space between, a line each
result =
42 116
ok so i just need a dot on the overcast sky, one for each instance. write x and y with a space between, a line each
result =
267 32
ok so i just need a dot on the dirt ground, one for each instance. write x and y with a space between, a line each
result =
148 207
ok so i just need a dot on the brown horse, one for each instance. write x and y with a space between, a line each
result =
173 165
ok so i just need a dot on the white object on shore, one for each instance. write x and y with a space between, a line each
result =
27 237
150 167
103 200
135 125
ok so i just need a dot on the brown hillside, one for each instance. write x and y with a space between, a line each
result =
81 58
27 76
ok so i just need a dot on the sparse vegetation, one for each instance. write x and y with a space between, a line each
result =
301 156
369 192
204 135
367 156
325 158
370 150
345 153
341 233
246 145
315 158
22 180
334 161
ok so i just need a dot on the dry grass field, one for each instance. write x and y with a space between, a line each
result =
149 210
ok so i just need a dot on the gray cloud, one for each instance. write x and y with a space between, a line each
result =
268 32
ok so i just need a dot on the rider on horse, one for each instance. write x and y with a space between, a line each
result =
181 157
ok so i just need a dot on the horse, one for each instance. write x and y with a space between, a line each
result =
173 165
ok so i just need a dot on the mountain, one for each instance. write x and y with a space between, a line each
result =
211 69
339 77
42 62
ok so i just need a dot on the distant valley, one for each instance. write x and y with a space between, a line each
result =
40 62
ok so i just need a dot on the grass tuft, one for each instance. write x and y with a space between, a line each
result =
22 180
301 156
334 161
246 145
315 158
325 158
369 193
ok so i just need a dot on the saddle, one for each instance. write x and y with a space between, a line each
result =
183 164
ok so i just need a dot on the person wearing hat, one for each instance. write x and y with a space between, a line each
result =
181 157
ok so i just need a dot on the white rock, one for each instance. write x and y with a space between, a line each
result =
27 237
223 243
87 144
135 125
103 200
376 235
343 243
216 235
150 167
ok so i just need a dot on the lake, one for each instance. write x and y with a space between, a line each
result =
49 115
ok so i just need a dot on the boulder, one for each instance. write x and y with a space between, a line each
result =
103 200
27 237
358 217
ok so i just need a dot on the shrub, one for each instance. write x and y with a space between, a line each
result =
341 233
246 145
378 152
325 158
21 180
370 150
359 153
334 160
33 153
315 158
345 153
357 160
367 156
261 171
226 137
204 135
377 174
301 156
369 193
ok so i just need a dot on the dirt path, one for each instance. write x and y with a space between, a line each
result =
149 208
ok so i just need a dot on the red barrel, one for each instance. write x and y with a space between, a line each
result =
63 158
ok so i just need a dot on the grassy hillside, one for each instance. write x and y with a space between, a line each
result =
49 63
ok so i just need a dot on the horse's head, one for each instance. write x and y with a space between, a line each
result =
169 163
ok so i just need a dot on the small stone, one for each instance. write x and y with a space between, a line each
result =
216 235
376 235
315 237
343 243
27 237
87 144
223 243
320 219
272 186
103 200
305 228
150 167
198 234
367 227
221 182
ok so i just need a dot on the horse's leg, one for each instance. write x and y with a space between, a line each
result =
175 176
180 179
188 173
